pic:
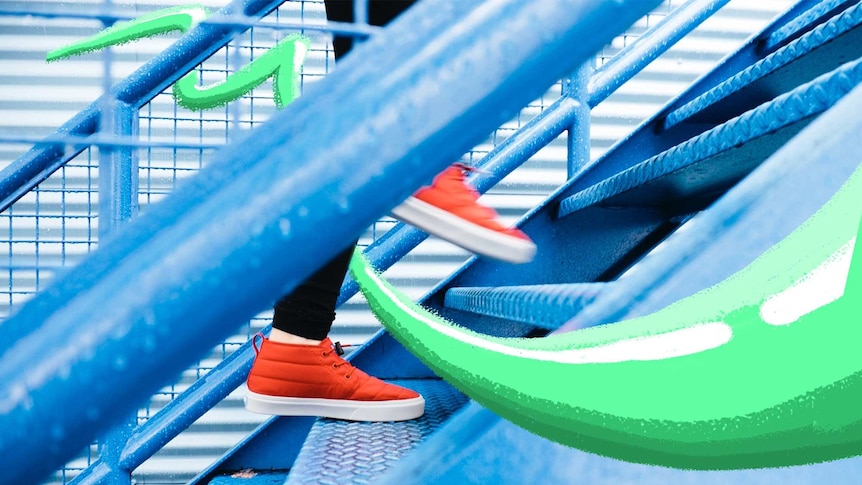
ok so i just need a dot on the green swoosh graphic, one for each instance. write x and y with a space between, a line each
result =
760 370
159 22
283 62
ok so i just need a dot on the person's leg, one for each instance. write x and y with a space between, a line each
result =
306 315
449 208
298 370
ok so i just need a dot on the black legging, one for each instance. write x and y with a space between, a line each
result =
310 309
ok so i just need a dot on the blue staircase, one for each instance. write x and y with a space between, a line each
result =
696 192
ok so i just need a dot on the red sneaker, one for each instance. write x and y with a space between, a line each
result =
449 209
313 380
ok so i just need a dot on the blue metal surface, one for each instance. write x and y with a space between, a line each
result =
648 139
511 153
272 446
544 306
654 42
118 170
180 248
143 85
798 106
397 242
834 43
761 210
805 21
118 203
165 425
342 452
578 149
383 252
490 450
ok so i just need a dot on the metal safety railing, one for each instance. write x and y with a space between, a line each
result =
62 151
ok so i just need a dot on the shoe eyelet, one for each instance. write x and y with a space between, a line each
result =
347 376
335 366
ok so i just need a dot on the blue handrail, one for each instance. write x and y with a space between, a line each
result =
487 60
139 88
391 247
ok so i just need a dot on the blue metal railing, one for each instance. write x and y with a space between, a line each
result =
179 246
396 243
507 156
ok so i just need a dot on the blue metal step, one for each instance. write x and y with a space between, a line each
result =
543 306
343 452
811 17
476 446
821 50
713 161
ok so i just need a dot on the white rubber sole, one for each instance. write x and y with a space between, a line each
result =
472 237
399 410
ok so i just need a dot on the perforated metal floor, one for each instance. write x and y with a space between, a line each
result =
345 452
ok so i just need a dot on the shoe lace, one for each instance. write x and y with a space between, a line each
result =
469 168
339 351
254 340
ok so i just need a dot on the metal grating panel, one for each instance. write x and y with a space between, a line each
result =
56 225
343 452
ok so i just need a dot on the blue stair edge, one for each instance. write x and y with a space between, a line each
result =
830 31
543 306
796 107
804 21
345 452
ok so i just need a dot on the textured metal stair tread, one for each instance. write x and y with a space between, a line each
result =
545 306
342 452
806 21
717 158
826 47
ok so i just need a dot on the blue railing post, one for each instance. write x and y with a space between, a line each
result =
385 251
179 278
118 171
118 203
578 150
118 192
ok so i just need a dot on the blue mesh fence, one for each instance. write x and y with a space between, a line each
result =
56 225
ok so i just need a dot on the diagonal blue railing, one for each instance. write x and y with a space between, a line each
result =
266 183
397 242
547 126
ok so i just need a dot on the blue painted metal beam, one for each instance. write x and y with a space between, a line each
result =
643 142
760 211
721 155
654 42
544 306
818 51
118 203
382 253
401 239
806 20
140 87
172 283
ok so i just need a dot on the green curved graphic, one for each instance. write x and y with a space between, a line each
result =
159 22
283 62
760 370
